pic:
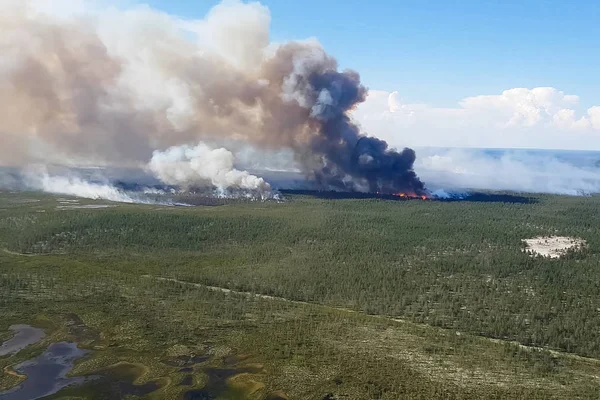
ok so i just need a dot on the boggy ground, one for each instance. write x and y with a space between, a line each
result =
308 299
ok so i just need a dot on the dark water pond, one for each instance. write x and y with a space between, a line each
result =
25 335
46 374
217 382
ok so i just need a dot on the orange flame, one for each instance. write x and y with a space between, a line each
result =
409 195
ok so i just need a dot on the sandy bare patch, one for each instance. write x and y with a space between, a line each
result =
552 246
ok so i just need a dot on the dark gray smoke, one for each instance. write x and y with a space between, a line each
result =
346 152
336 152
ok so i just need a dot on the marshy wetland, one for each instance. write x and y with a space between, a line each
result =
23 336
47 373
311 298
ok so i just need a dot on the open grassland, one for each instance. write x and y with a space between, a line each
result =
314 298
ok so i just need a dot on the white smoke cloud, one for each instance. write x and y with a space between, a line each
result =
522 171
38 178
203 166
235 32
109 85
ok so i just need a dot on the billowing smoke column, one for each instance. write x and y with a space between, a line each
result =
349 159
202 166
112 87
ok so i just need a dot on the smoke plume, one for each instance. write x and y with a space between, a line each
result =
542 171
118 87
202 166
71 185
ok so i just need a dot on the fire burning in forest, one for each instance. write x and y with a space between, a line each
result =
79 89
409 196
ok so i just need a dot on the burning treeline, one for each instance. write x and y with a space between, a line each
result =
120 87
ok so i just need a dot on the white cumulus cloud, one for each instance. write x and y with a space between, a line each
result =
542 117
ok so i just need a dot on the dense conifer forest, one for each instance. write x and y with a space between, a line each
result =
314 298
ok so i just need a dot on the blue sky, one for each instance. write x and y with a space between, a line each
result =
438 52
